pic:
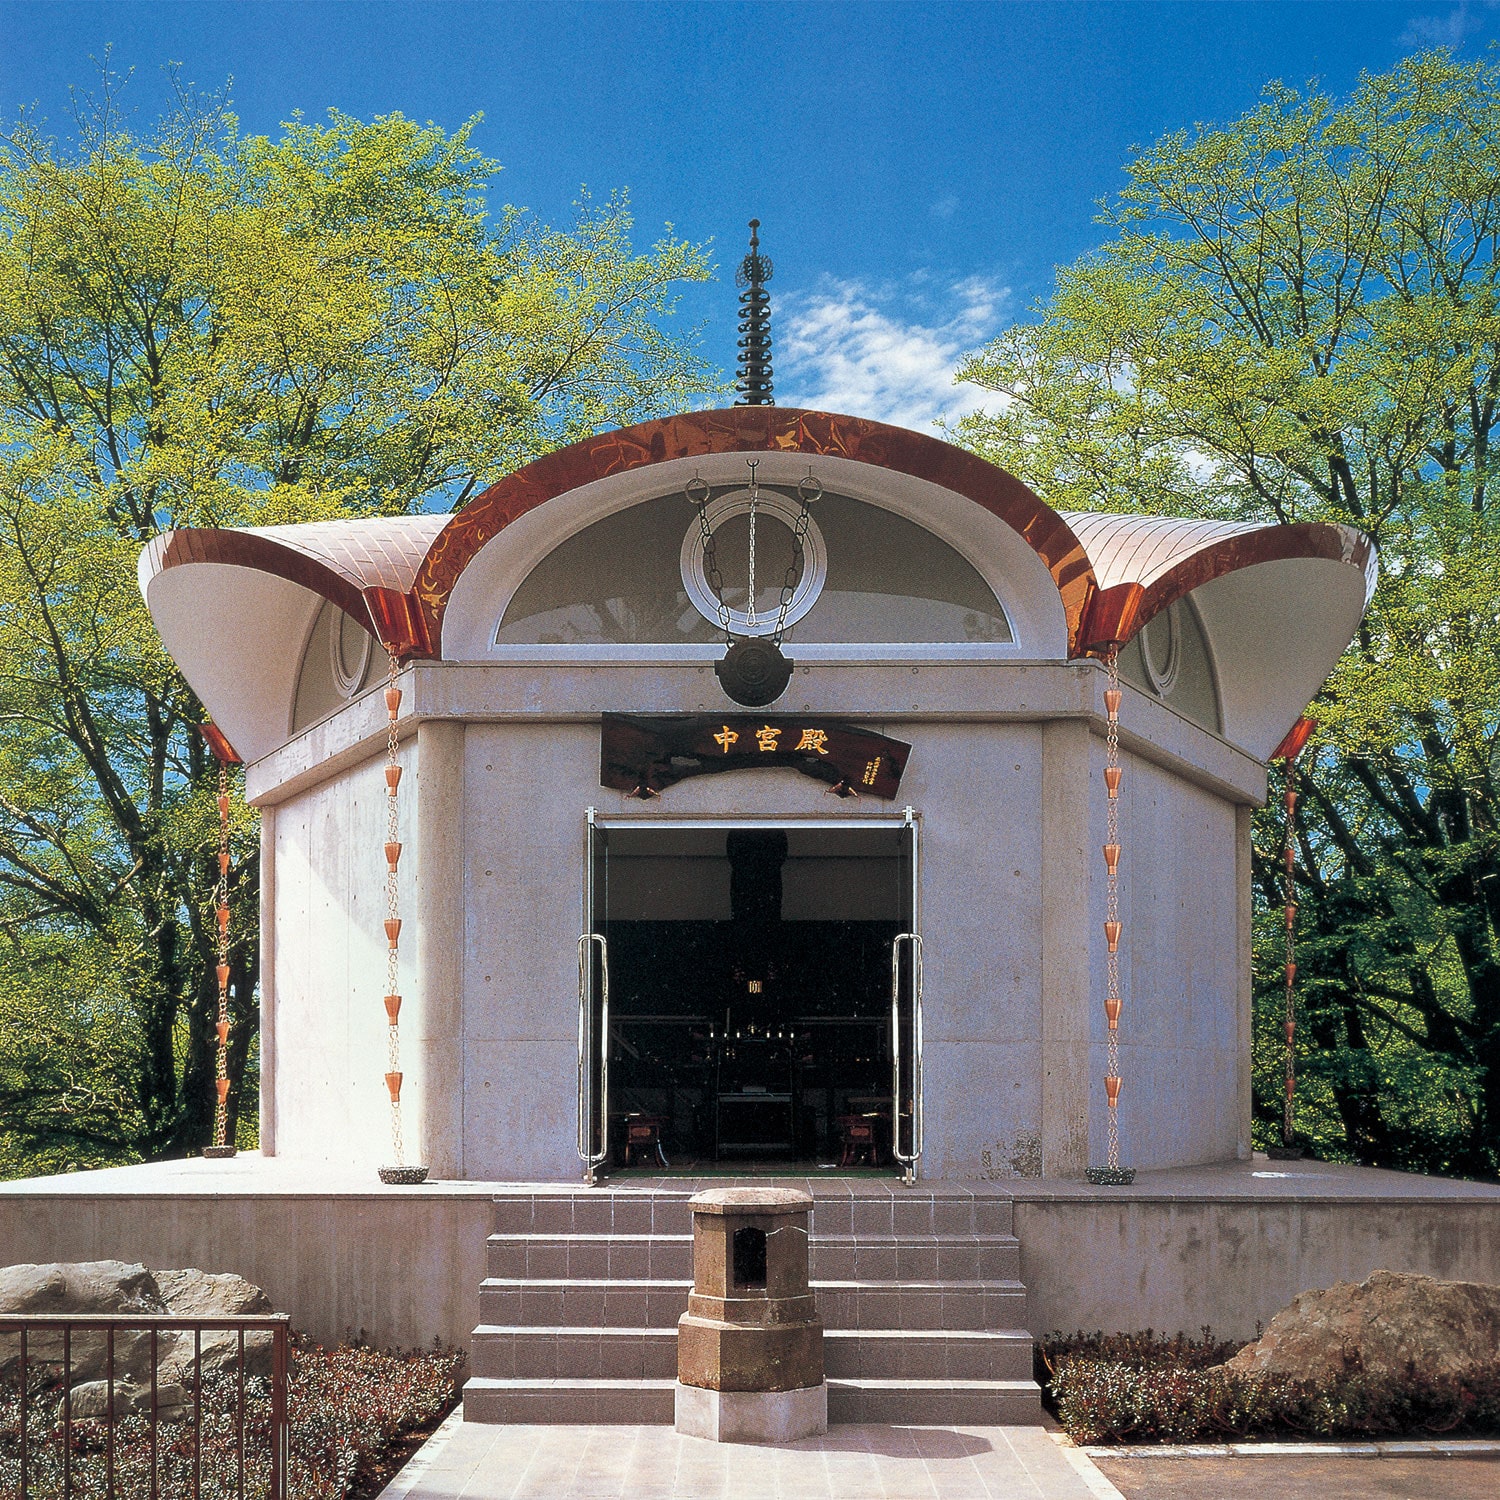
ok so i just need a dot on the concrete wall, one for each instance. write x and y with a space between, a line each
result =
405 1265
1011 910
1180 970
327 961
1011 808
400 1270
1180 1263
527 788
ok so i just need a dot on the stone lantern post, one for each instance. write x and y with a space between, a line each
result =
750 1345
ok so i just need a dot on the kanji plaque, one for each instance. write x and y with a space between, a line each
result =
645 755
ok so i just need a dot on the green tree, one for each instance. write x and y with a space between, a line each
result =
1297 319
202 328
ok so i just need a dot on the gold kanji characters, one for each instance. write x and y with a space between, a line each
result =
814 739
725 738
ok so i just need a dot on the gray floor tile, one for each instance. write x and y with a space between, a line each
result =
480 1462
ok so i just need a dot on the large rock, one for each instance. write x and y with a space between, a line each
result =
202 1294
92 1400
94 1286
1392 1324
112 1286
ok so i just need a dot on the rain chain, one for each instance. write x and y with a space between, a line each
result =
220 1147
1288 1151
400 1172
1112 1174
1291 947
1287 752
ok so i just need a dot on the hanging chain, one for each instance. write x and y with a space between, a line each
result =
221 902
808 490
754 507
1112 1003
698 493
1290 854
393 915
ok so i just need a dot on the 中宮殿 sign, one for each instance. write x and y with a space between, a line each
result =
642 755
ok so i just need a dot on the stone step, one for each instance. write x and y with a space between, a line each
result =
574 1353
591 1211
957 1305
597 1257
910 1211
651 1353
561 1303
600 1402
578 1257
898 1211
927 1354
931 1403
944 1305
920 1258
935 1403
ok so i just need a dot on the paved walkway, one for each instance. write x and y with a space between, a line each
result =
473 1462
1305 1478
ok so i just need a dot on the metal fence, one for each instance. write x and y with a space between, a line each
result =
119 1438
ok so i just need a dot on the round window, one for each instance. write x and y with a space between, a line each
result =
349 652
1161 650
773 563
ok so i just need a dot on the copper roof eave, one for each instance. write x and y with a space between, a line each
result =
409 622
1116 615
244 549
387 613
751 429
1300 540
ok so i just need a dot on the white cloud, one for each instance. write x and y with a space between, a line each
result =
1446 30
886 353
944 208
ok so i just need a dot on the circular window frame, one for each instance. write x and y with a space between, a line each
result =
1163 677
346 681
778 507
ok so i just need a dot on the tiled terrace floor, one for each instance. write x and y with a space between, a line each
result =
654 1463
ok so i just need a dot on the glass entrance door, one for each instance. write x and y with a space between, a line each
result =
749 996
593 1012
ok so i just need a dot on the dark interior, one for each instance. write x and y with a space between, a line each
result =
750 994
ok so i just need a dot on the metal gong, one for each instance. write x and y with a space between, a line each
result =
754 672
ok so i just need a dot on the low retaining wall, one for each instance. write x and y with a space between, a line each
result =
1224 1246
399 1269
1173 1265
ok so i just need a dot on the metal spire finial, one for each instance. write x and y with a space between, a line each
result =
753 381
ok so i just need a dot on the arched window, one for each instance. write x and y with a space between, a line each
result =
337 665
1170 659
643 576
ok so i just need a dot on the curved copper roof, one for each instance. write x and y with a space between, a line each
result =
1143 564
364 565
1113 572
755 429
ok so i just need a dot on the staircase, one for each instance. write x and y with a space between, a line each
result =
918 1289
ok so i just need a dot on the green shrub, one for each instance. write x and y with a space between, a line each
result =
355 1415
1146 1388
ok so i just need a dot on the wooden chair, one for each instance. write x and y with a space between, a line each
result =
857 1138
643 1136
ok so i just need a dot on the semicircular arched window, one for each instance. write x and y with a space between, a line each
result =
872 577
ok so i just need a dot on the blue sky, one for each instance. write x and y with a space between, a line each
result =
918 169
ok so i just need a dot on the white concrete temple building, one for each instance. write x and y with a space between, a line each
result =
859 926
